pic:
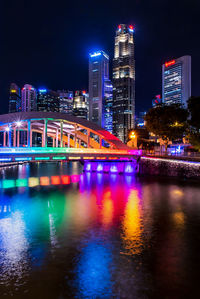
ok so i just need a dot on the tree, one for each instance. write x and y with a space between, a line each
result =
167 122
194 110
194 121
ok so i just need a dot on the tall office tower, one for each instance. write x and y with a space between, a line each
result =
176 81
98 75
107 123
14 98
123 82
48 101
81 104
66 101
28 93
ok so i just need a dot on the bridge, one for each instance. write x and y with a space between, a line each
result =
51 136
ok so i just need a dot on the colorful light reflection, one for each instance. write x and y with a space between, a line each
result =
42 181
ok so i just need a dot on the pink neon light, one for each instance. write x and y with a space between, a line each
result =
74 178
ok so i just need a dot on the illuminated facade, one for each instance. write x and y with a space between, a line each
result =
139 120
123 82
66 101
176 81
98 76
28 98
14 98
48 101
107 123
81 104
157 100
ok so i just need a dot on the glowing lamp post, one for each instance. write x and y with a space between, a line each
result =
133 139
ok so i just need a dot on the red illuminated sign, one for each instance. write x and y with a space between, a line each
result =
169 63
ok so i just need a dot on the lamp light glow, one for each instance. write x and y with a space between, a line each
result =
18 123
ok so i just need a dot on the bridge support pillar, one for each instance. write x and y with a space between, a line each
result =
18 133
9 137
100 143
75 136
14 137
88 138
44 135
61 134
68 140
29 134
53 141
79 143
57 138
4 138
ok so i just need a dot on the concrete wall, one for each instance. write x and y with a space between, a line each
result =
169 168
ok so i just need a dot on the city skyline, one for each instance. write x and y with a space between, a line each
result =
57 49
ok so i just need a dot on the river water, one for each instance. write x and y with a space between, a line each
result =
68 234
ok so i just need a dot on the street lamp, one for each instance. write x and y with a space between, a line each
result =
132 135
133 139
7 129
18 123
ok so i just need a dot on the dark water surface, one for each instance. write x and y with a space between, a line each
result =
97 235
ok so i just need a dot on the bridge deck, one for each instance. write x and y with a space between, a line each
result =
8 154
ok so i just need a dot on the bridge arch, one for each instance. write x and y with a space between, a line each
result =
64 131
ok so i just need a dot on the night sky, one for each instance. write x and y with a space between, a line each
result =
46 43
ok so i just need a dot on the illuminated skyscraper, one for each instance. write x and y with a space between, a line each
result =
123 82
14 99
81 105
98 75
29 98
107 122
176 81
66 101
48 101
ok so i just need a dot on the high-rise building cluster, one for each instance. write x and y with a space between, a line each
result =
31 99
110 102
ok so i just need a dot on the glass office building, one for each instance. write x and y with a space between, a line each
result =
98 76
176 81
